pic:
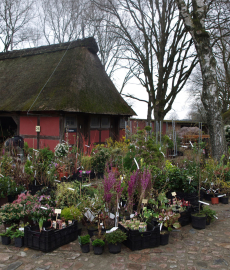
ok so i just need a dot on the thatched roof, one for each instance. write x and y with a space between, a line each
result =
79 84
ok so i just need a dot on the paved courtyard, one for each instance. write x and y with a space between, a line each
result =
188 249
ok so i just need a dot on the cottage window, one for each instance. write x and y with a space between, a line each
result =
71 122
105 122
122 123
95 122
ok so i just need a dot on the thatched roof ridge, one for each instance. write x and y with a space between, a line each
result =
79 84
88 43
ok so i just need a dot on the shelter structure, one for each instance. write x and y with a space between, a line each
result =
59 92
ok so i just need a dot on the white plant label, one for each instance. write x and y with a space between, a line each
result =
204 202
57 211
132 216
136 164
112 216
221 195
70 188
112 230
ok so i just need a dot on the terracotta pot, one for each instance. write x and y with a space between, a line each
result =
214 200
61 175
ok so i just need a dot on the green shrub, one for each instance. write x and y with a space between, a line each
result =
83 240
98 242
115 237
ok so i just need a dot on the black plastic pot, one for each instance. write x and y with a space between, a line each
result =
91 231
6 240
114 248
19 242
208 220
85 248
98 250
224 200
164 238
198 222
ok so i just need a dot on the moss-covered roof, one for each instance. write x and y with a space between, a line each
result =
79 84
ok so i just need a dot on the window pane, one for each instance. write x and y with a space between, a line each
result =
70 121
95 122
122 123
105 123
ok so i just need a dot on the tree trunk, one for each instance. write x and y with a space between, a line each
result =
196 26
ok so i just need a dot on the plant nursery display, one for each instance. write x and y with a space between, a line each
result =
126 192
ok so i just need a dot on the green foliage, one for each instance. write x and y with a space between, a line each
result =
17 234
71 213
4 182
84 239
100 157
115 237
65 196
209 212
8 232
98 242
86 163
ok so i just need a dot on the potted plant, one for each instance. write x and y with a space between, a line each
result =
114 240
84 242
98 246
18 238
210 214
11 213
169 220
6 236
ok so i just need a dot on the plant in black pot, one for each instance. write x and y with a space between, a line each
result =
98 246
169 220
210 214
114 240
6 236
84 242
225 190
18 238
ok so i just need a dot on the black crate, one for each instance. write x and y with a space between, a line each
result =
140 240
49 240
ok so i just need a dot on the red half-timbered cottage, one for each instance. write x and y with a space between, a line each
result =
51 91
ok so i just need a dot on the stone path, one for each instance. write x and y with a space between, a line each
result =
188 249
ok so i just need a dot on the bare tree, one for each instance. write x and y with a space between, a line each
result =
155 46
14 18
194 20
61 20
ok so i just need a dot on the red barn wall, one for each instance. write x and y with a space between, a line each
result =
49 126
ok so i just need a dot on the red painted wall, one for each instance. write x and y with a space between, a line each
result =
32 143
48 143
49 126
121 134
72 137
104 135
94 136
27 125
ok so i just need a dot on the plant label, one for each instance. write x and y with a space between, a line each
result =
112 216
112 230
132 215
173 194
203 202
221 195
57 211
21 229
144 201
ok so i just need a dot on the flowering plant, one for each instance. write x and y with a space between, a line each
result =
11 213
61 149
169 219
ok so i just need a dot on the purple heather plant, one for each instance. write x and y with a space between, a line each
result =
145 179
131 188
109 182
